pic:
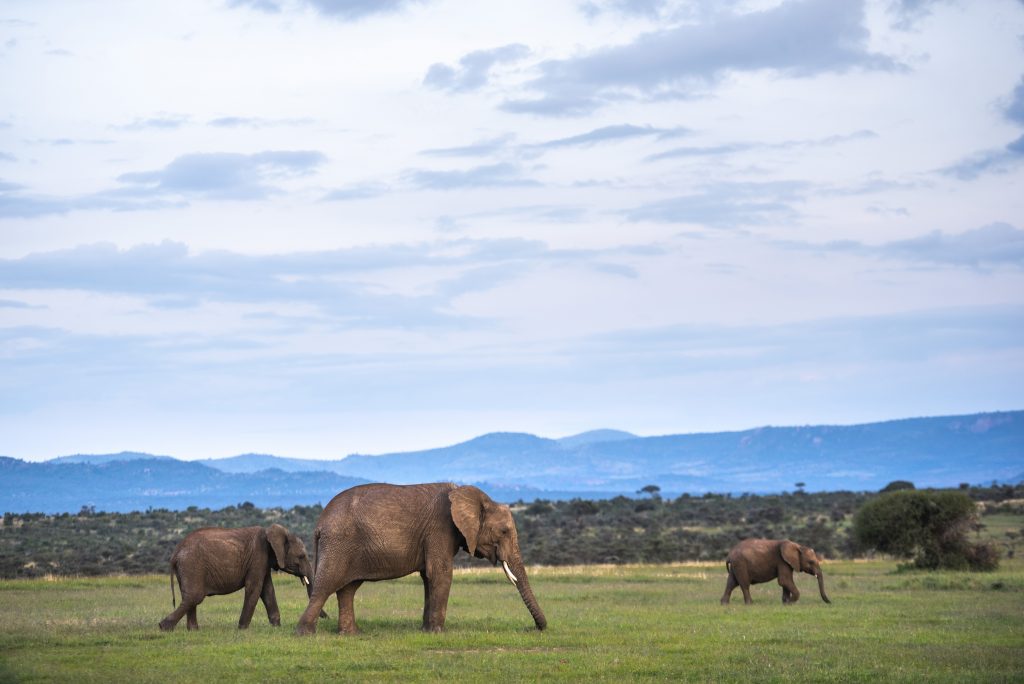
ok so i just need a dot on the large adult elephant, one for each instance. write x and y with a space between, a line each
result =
753 561
381 531
217 560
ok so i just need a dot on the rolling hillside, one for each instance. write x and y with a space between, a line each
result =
938 451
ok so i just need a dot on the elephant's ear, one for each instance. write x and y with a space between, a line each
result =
468 513
277 535
791 554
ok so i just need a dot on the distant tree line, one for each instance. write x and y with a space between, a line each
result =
647 529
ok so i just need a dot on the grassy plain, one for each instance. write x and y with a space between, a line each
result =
606 623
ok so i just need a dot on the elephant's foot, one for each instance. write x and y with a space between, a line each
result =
305 630
167 626
348 630
436 629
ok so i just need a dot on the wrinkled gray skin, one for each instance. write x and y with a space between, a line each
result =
753 561
380 532
215 560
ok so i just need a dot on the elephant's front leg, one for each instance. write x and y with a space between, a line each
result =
252 595
270 601
790 593
437 584
346 608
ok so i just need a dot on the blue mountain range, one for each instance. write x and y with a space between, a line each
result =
935 451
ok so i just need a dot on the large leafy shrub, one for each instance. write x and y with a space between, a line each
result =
931 527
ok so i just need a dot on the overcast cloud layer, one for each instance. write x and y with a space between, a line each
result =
319 227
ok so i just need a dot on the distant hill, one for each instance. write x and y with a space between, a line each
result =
98 459
937 451
251 463
140 484
594 437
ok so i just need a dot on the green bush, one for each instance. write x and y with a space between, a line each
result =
928 526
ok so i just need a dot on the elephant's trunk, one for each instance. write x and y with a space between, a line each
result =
821 586
516 573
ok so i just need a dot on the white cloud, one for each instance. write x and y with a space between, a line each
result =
294 224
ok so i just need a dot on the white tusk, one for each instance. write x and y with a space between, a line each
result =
305 580
508 573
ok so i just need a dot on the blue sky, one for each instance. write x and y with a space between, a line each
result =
321 227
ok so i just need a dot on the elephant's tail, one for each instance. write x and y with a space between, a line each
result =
316 552
173 604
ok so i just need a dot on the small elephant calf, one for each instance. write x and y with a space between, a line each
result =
753 561
214 560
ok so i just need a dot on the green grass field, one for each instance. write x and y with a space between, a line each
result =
606 623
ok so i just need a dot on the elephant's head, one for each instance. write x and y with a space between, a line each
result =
803 559
490 533
289 554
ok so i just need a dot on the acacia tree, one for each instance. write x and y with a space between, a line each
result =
929 526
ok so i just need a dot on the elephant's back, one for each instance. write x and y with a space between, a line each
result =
378 508
380 496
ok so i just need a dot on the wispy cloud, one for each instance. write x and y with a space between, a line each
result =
994 245
907 13
255 122
356 192
163 121
336 282
225 175
17 204
726 205
646 8
208 176
473 70
1003 160
736 147
1014 109
482 148
505 144
343 10
824 343
492 175
799 39
614 133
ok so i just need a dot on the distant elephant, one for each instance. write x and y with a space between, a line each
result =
214 560
753 561
381 531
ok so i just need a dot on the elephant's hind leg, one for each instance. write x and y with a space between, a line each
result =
346 608
730 584
741 576
168 623
307 623
186 607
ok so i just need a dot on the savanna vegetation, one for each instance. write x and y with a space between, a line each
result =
646 529
630 588
614 623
